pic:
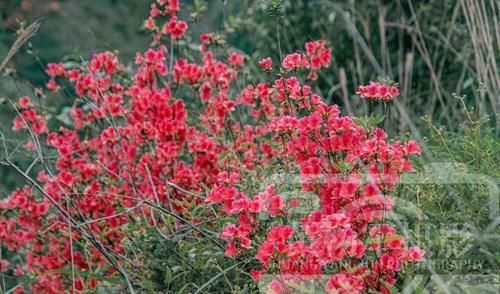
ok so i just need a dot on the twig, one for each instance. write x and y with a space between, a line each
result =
23 37
217 276
184 221
112 216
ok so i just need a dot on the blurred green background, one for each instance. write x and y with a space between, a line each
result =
432 48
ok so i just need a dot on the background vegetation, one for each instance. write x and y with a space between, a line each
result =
445 55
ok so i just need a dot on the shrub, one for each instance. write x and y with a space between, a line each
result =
136 162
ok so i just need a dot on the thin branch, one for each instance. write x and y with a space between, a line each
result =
112 216
23 37
184 221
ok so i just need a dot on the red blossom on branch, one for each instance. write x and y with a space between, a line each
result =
378 91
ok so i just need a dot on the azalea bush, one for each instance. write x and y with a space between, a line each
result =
136 169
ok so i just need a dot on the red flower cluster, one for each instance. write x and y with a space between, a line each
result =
132 150
266 63
174 28
295 61
378 91
316 57
351 171
29 118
